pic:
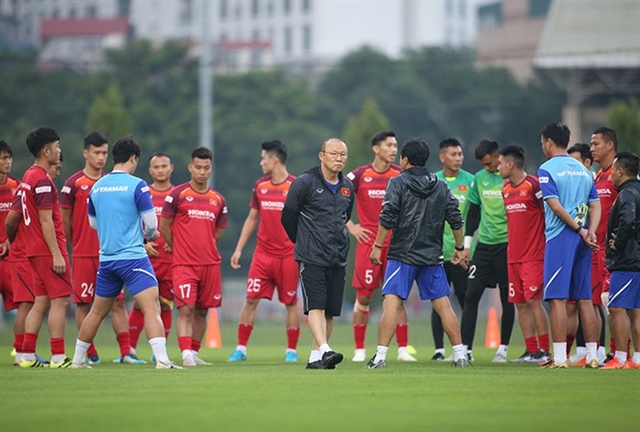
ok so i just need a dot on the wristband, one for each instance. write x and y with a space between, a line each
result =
467 242
459 249
577 230
376 245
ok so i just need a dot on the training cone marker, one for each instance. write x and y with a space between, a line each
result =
493 330
213 338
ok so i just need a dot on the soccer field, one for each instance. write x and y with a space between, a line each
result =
264 393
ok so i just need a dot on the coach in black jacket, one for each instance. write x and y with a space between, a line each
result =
315 214
623 257
416 206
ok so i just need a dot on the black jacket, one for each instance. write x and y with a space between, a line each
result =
315 219
624 221
415 207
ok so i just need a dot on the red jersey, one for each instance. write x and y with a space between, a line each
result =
74 195
607 193
525 220
196 215
370 187
39 193
7 191
158 198
18 251
268 198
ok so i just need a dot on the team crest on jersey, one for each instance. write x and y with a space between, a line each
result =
524 192
84 187
506 195
462 187
368 179
189 198
213 202
263 191
346 192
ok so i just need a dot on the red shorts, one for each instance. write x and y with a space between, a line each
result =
366 276
22 282
83 274
48 283
526 280
268 273
164 275
6 287
197 285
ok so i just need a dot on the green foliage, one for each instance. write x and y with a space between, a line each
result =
360 129
107 115
624 117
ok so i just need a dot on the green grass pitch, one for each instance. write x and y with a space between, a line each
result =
264 393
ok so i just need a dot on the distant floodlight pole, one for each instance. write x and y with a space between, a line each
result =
206 86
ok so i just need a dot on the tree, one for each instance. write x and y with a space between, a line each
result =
108 115
360 129
624 117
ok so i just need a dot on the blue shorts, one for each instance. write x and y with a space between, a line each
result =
624 291
137 275
399 277
567 268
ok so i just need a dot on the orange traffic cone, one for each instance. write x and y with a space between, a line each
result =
213 338
492 339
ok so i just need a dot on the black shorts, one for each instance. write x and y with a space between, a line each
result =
489 266
458 277
322 288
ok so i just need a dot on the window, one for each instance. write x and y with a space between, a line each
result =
255 35
256 59
287 6
288 39
255 7
463 9
123 7
306 5
186 11
270 8
72 12
448 8
239 11
224 8
306 38
490 16
91 11
538 8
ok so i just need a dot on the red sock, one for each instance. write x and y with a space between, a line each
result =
29 343
92 350
293 334
195 345
570 340
136 325
532 344
359 332
402 334
124 343
543 341
244 332
612 344
57 346
167 320
18 340
184 342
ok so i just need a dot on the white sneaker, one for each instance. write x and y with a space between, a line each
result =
403 355
82 365
170 365
188 360
500 357
198 361
360 355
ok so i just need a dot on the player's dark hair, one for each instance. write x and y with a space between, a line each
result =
584 150
5 148
449 142
95 139
608 134
485 147
277 149
629 162
39 138
381 136
515 152
124 148
416 150
558 133
160 154
201 153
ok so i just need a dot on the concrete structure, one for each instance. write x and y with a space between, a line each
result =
508 35
591 49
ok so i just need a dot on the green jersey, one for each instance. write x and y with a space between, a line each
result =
486 191
459 187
